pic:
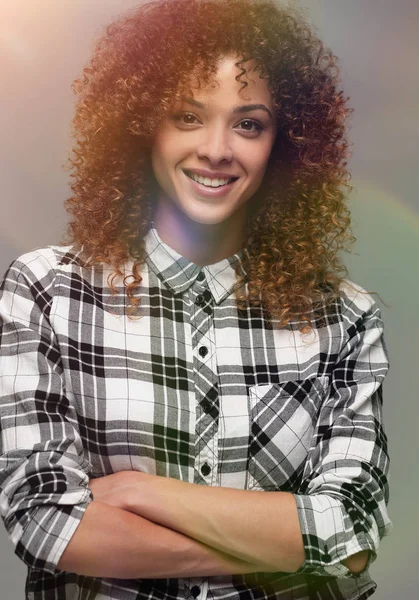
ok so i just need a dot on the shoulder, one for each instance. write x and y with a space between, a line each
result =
38 268
350 313
355 299
31 282
361 317
46 260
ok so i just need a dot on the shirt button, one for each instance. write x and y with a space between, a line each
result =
200 300
201 276
205 469
206 406
203 351
195 591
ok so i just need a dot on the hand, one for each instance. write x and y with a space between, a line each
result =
156 498
356 563
115 489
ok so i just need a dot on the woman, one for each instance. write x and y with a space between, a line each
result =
168 429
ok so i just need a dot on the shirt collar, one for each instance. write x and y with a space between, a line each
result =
178 273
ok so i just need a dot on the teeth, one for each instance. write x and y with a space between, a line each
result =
208 182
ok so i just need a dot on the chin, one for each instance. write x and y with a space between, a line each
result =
208 219
211 214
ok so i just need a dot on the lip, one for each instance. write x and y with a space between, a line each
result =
208 192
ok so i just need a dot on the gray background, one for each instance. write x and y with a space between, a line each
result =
43 46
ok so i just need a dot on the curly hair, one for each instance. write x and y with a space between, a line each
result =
298 218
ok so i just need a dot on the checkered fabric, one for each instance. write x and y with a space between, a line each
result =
193 389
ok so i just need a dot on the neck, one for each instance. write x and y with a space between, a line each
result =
201 243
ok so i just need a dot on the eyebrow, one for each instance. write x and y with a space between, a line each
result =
237 109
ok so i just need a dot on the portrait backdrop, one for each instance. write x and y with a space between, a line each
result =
43 48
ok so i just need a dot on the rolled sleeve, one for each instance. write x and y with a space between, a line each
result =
44 474
342 502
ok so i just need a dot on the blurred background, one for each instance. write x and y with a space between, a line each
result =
44 44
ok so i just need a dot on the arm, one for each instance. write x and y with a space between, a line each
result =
215 516
238 522
334 525
45 502
139 549
43 470
343 498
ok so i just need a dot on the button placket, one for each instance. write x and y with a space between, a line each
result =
206 383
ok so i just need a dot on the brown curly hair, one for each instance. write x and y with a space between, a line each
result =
298 219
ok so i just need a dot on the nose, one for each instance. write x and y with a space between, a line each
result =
215 145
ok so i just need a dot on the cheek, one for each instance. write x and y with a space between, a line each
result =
160 156
259 166
256 168
263 163
167 150
158 149
257 156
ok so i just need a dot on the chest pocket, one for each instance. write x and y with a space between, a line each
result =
282 420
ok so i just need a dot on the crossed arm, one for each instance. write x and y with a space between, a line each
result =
253 526
140 548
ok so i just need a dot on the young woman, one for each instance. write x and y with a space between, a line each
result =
191 397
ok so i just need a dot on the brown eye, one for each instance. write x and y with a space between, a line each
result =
250 126
258 126
188 116
182 116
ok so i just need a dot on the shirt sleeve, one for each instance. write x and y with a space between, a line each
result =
43 470
342 502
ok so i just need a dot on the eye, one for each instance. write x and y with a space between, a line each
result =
258 126
181 116
187 118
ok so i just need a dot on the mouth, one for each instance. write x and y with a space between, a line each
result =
191 176
206 191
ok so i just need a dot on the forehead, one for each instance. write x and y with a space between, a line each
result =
224 84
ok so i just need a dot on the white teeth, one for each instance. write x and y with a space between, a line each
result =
208 182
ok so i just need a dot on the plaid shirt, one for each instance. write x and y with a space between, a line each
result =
194 390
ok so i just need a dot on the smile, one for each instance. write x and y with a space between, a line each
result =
209 188
213 183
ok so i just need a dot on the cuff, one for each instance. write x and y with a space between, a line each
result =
48 531
329 538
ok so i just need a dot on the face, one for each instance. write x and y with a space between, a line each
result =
219 134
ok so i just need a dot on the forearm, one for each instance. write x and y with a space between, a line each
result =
216 516
111 542
254 526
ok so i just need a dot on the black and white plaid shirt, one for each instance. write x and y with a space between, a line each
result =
194 390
